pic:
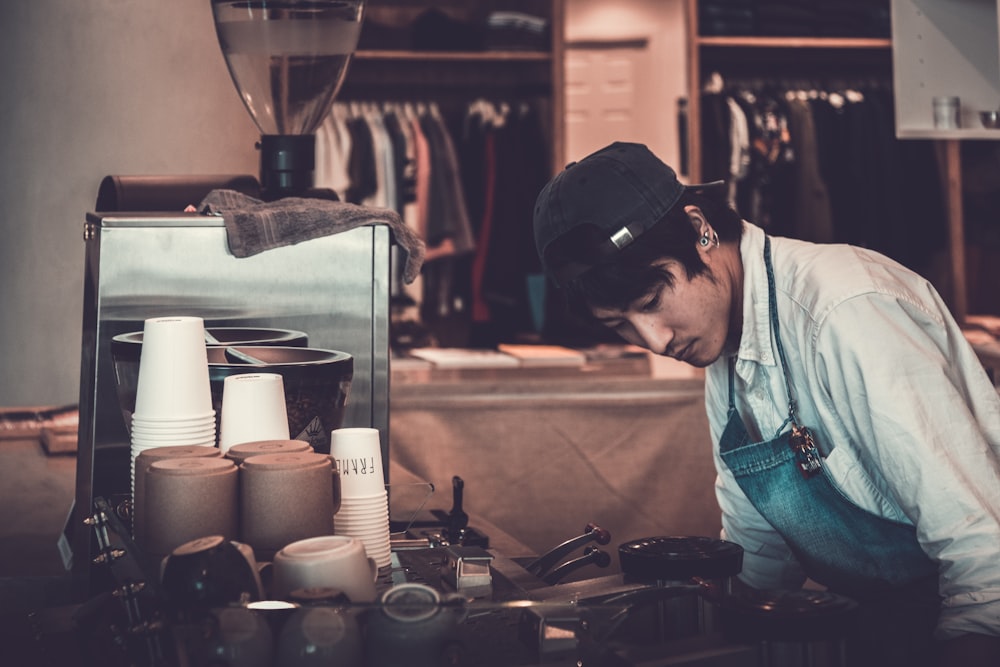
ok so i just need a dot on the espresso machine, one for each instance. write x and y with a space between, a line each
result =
146 257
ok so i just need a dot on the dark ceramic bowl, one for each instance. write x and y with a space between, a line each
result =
126 349
317 384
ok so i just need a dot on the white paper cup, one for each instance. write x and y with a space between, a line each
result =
358 454
173 370
253 409
207 433
329 561
370 525
366 531
367 522
173 427
369 515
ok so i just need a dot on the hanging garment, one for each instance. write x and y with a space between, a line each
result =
447 217
813 216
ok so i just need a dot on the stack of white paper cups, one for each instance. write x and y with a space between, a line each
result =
253 409
173 398
364 506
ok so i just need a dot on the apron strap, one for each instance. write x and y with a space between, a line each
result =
773 305
773 309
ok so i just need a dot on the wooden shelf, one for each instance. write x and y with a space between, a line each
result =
796 42
448 76
705 50
940 48
945 48
455 56
964 133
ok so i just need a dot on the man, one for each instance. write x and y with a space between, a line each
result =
857 435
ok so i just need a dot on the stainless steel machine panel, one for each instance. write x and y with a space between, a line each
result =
143 265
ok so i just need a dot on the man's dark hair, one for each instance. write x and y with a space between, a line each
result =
620 279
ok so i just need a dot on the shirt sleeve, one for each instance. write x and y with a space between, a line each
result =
908 386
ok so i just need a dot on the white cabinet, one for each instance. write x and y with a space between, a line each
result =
945 47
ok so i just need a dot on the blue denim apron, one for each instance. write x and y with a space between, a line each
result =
851 551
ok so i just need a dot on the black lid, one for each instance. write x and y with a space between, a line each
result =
680 558
789 616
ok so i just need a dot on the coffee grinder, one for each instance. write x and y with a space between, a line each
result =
288 60
146 258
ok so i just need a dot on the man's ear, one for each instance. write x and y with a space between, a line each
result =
698 220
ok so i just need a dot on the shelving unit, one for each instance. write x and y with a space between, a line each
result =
743 53
947 47
446 75
938 47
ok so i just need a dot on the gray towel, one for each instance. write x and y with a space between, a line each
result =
253 226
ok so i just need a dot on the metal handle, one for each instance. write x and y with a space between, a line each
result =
591 556
591 533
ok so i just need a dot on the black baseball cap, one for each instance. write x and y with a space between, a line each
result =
617 193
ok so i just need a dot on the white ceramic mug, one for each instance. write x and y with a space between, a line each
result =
327 561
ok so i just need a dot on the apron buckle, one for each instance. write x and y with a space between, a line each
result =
806 454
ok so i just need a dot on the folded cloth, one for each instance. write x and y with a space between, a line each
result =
253 226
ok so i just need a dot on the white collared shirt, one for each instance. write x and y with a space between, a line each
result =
901 408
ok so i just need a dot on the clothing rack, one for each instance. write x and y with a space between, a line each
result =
816 158
464 177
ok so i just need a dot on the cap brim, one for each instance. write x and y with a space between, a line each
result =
710 189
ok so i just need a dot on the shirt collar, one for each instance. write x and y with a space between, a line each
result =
756 337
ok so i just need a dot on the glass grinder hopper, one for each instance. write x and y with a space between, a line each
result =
288 60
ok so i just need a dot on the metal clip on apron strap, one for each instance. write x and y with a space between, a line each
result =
800 440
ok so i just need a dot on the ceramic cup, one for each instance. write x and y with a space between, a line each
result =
242 452
207 572
330 561
188 498
285 498
146 458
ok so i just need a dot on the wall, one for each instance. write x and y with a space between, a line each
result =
90 89
140 87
